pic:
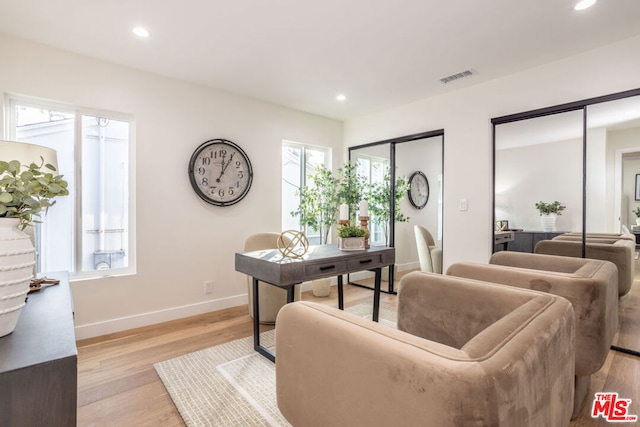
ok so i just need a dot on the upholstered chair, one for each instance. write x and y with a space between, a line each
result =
272 298
429 254
468 353
620 251
590 285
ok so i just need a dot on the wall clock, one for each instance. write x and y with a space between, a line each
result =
220 172
418 190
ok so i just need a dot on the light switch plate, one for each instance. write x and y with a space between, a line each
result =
463 205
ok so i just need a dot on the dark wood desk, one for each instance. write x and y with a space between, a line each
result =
38 361
320 261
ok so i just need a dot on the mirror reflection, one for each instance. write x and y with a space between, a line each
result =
613 161
392 168
542 160
538 162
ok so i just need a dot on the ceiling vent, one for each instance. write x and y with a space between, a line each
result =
457 76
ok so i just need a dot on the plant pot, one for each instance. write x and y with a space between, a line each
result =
321 287
637 221
17 258
548 222
351 243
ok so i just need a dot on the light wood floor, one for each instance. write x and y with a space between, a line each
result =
117 384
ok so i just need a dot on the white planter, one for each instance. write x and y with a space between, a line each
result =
17 258
321 287
548 222
351 243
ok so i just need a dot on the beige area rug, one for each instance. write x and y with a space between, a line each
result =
231 384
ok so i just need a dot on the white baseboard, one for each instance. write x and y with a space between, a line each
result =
96 329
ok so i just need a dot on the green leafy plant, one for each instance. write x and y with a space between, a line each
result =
637 212
318 202
379 205
550 208
351 188
27 191
345 231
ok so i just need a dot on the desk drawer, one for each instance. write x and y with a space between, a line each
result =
325 269
366 262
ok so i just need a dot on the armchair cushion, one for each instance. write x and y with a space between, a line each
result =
495 356
619 251
590 285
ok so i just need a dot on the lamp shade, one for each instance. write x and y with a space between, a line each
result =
27 153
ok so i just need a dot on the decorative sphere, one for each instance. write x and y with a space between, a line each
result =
293 244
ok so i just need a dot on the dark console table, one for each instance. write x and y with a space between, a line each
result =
525 241
38 362
320 261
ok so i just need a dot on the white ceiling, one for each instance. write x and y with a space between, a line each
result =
301 54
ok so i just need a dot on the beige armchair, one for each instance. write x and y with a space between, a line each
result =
620 251
470 353
272 298
429 254
590 285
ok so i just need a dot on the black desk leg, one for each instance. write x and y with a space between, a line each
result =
376 294
291 293
340 293
256 324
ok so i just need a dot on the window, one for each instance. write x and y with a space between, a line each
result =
298 162
88 233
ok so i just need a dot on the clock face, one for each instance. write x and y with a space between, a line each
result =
220 172
418 190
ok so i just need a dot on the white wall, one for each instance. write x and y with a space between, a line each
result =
181 241
541 172
465 116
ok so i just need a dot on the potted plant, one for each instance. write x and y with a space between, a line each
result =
637 214
318 202
351 238
548 213
25 192
379 202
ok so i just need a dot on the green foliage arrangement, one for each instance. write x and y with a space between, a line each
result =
351 188
637 212
379 206
351 231
550 208
318 202
26 193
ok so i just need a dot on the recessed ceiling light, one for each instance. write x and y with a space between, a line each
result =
341 97
584 4
141 32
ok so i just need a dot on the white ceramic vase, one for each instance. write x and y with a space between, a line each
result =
548 222
321 287
17 259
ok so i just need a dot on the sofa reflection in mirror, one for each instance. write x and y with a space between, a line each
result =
620 251
467 353
590 285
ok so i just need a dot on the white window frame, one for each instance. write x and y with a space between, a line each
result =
303 172
11 100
